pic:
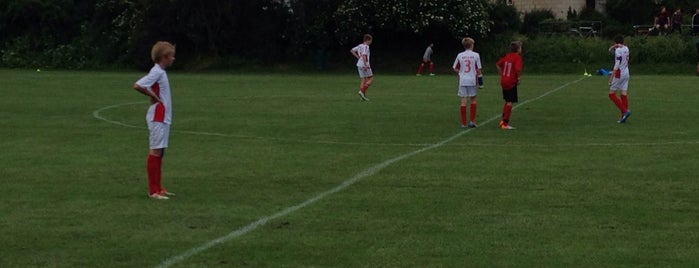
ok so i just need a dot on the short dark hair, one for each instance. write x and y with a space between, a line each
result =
619 39
367 37
468 42
515 46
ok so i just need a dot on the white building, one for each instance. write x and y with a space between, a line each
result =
559 7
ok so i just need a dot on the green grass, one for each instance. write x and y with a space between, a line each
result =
569 187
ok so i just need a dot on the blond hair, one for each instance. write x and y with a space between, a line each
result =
161 49
468 42
367 37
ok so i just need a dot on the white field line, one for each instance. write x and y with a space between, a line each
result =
97 114
363 174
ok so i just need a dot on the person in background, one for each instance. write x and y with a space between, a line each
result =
661 21
427 59
366 76
676 21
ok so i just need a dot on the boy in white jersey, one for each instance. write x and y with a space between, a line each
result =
159 116
468 66
619 80
361 52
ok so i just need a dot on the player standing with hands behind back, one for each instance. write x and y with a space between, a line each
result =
619 80
468 66
159 116
366 76
510 70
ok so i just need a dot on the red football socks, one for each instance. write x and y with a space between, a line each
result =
153 168
506 113
474 108
364 88
463 115
625 102
617 102
419 69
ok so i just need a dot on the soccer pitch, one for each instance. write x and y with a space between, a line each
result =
295 171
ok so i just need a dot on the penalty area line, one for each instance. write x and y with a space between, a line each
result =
349 182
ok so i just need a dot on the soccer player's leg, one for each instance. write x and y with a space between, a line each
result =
158 138
419 68
510 97
625 102
461 92
431 68
474 107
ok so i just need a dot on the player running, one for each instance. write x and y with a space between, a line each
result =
619 80
510 70
361 52
468 65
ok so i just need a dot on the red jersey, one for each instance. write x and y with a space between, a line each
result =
511 66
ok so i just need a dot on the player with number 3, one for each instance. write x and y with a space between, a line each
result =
468 66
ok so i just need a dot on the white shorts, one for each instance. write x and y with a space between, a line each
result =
467 91
364 73
621 83
159 134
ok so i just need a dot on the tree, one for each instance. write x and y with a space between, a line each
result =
461 17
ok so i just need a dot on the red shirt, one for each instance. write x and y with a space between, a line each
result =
511 66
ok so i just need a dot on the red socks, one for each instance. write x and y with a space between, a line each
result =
625 102
431 67
617 102
506 113
474 107
153 168
364 88
463 115
419 69
473 114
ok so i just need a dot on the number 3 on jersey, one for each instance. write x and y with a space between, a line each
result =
468 66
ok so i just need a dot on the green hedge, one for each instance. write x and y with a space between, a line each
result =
564 54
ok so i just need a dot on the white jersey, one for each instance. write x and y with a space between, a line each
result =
363 51
428 54
156 81
467 63
621 61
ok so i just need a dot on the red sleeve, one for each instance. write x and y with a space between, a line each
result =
500 61
519 65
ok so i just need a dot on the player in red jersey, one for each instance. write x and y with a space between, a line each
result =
366 76
159 116
510 70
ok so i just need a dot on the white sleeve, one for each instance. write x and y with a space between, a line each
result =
148 80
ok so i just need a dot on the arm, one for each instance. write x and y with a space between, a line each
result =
354 53
145 91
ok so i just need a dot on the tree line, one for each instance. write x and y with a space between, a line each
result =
81 34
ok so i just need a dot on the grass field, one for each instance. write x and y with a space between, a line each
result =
337 182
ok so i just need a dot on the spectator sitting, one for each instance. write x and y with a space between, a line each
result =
661 21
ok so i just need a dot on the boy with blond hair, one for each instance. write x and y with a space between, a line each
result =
468 65
366 76
159 115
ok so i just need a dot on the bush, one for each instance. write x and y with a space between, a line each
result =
505 18
565 54
533 18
